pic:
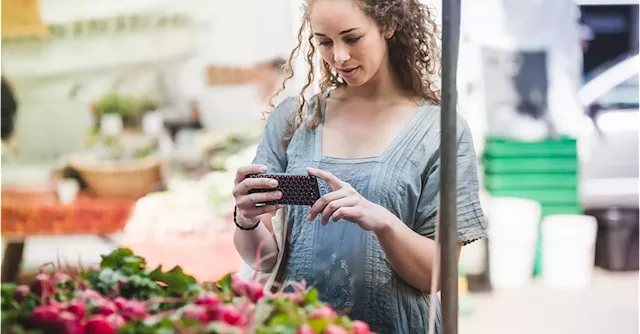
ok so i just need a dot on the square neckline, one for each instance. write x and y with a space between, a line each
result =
392 147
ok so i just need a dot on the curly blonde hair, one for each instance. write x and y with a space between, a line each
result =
414 54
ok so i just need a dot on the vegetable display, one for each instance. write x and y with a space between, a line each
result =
122 296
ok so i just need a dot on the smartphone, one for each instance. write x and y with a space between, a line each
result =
296 189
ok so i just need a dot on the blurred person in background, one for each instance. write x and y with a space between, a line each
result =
9 111
371 136
520 68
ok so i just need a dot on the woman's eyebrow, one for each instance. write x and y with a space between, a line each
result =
341 33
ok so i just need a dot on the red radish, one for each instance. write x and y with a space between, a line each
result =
196 312
99 324
44 316
255 292
78 309
335 329
134 309
295 298
239 285
207 299
120 302
230 314
106 309
89 294
94 267
69 323
41 285
323 312
213 313
116 320
21 293
60 277
360 327
305 329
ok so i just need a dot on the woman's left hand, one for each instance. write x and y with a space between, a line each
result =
344 202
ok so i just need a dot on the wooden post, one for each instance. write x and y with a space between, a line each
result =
448 182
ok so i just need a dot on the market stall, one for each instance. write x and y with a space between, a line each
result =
133 294
28 213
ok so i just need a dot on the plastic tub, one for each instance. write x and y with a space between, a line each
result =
568 250
513 232
617 240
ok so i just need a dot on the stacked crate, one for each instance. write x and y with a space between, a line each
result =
545 171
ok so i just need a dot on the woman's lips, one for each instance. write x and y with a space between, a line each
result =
348 72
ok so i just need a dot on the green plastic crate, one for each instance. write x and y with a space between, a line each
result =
530 165
563 147
572 209
545 197
530 181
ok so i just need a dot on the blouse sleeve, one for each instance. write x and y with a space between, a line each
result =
271 151
471 221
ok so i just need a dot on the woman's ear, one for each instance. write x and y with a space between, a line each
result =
390 30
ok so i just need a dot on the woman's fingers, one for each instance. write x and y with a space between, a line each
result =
333 181
249 201
320 204
336 205
243 188
242 172
346 212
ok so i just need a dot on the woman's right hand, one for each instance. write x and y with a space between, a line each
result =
248 213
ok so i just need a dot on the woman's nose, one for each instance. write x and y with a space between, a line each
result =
340 55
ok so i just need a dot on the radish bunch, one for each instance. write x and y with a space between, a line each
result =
123 296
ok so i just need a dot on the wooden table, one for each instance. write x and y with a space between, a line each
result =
37 212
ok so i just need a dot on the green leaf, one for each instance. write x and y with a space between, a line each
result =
123 259
225 284
311 297
187 322
283 320
178 283
8 290
318 325
154 326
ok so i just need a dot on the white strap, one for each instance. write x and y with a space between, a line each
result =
279 223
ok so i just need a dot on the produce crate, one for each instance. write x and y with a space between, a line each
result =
563 147
538 165
535 181
543 171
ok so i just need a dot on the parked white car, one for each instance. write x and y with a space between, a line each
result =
609 155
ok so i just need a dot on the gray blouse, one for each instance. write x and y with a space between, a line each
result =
347 264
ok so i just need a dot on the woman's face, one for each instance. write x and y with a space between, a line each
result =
348 40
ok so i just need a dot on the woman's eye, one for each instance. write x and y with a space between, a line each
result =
324 43
352 40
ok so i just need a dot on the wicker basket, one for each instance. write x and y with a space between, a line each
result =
130 179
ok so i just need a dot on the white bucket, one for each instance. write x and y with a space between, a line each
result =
513 233
568 250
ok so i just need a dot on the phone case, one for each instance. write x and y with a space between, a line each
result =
296 189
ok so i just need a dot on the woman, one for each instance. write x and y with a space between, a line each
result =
372 137
9 107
